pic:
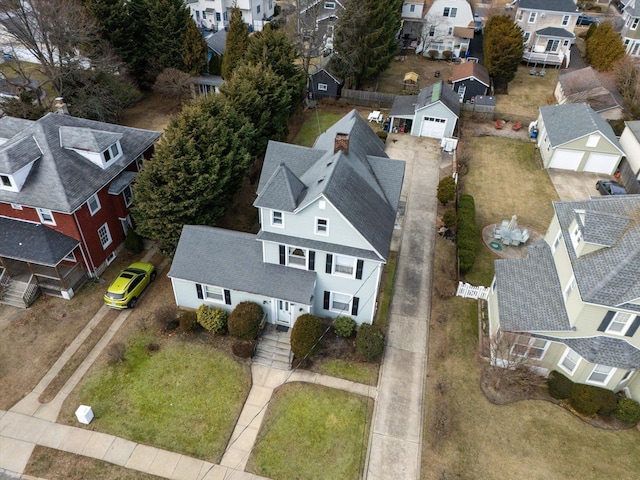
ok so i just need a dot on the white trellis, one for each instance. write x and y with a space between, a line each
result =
466 290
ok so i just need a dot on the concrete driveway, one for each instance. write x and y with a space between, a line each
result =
575 185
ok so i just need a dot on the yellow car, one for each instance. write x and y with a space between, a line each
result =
125 290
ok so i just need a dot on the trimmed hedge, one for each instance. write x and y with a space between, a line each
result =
244 321
589 400
628 411
213 319
467 238
305 333
188 321
344 326
370 342
446 190
560 387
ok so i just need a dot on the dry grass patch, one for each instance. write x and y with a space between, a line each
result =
527 93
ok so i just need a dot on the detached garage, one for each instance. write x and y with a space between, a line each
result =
574 137
433 113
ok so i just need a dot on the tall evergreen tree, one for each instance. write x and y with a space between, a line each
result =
365 38
604 47
503 46
167 31
196 169
271 47
236 45
195 50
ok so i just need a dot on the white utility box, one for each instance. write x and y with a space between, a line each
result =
84 414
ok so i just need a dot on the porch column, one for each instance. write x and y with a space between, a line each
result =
61 277
33 272
4 265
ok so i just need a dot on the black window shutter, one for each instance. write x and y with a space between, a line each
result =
227 296
359 266
634 326
199 290
327 298
329 263
282 255
312 260
606 321
354 306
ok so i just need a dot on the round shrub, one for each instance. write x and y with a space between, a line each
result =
344 326
243 348
628 411
305 333
589 400
188 321
370 342
450 218
244 321
382 135
446 190
560 387
213 319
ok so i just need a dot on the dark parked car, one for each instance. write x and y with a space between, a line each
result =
610 187
586 20
619 6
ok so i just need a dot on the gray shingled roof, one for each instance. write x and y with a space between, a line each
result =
550 5
554 32
602 228
82 138
16 154
317 245
10 126
584 86
62 180
609 276
404 105
632 8
217 42
635 128
229 259
33 242
439 91
364 185
529 292
612 352
570 121
282 190
121 181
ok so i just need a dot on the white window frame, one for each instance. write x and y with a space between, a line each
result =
46 216
527 36
626 376
571 286
6 178
532 17
330 5
71 257
454 12
94 199
556 242
565 355
344 296
412 8
634 25
112 153
104 235
320 228
258 9
623 323
602 368
593 140
576 236
565 20
210 293
528 345
128 198
297 263
16 206
342 262
446 11
277 218
323 87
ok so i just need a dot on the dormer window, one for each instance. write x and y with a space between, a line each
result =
576 237
111 153
5 180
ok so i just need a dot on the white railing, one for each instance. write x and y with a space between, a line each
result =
466 290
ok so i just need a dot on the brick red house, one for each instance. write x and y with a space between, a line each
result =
65 192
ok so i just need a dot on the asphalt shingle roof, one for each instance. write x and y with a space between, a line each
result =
550 5
612 352
282 190
217 42
634 127
462 71
529 292
570 121
33 242
238 265
87 139
609 276
555 32
584 86
17 154
61 179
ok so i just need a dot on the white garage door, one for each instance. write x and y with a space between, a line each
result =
433 127
601 163
566 159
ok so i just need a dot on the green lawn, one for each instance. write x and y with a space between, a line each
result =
526 94
359 372
318 122
312 432
186 397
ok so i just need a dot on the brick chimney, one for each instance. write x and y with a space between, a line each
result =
341 143
61 107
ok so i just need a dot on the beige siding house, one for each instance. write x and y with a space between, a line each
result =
573 305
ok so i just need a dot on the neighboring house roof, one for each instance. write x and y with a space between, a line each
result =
363 185
465 70
529 292
554 32
238 266
584 86
634 127
62 179
325 65
549 5
601 350
567 122
217 42
609 276
404 105
464 32
632 8
33 242
439 91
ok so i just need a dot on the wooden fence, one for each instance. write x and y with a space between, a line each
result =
485 111
368 99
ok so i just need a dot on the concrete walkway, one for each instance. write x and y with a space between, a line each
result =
396 436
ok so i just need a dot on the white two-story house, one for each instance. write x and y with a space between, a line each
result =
214 14
317 20
413 12
327 214
631 29
573 305
448 27
547 26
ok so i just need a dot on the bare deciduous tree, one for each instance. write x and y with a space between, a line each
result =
628 82
173 83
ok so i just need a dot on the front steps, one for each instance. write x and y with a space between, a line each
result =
274 348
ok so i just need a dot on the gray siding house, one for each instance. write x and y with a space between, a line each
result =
327 214
573 305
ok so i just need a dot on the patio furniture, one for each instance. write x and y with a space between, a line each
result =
517 126
376 116
499 124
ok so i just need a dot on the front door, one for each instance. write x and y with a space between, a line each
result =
284 313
